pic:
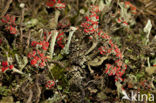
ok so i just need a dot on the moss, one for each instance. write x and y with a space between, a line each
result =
4 91
8 99
59 74
140 75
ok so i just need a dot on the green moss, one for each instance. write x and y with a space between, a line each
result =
4 91
140 75
8 99
58 57
59 74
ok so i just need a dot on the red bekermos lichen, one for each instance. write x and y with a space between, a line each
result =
117 69
60 38
90 27
55 3
5 66
10 23
50 84
37 56
130 8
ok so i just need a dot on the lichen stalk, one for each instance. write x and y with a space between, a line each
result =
52 43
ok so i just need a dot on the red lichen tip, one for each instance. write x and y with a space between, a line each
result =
4 69
55 3
11 66
50 84
33 61
4 63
